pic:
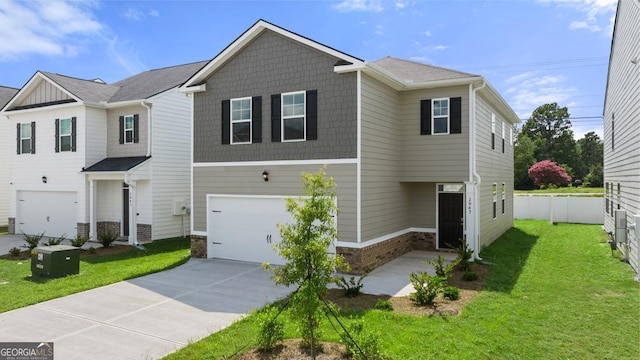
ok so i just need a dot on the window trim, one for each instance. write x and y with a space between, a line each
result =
503 193
22 137
249 120
132 129
495 200
283 117
61 135
493 131
433 116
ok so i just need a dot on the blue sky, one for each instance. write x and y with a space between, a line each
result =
532 51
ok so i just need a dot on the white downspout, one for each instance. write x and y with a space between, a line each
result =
476 176
133 218
144 104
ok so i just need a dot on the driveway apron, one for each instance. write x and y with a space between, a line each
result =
146 317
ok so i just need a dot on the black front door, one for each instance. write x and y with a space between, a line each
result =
125 211
450 220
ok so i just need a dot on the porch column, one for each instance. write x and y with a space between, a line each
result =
133 215
471 217
93 228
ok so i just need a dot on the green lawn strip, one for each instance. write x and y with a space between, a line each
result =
581 191
4 230
19 290
555 292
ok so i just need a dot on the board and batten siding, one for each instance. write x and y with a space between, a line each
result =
171 161
622 121
284 180
45 92
114 148
493 166
384 200
433 158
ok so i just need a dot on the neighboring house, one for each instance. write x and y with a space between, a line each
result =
621 133
422 156
91 157
6 93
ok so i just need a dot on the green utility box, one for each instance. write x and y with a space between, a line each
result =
55 261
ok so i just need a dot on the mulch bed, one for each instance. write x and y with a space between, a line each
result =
84 253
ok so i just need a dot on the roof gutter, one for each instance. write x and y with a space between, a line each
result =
473 171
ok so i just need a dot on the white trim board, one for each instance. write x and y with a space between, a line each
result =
275 162
383 238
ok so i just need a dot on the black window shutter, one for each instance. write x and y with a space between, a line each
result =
121 120
312 115
73 133
33 137
18 139
493 141
57 135
226 122
136 128
503 146
425 117
256 119
275 118
456 115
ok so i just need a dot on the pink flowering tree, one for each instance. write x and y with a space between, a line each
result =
547 172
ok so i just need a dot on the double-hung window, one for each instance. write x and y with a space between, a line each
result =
293 116
65 134
128 129
241 121
504 190
26 138
495 200
440 117
493 131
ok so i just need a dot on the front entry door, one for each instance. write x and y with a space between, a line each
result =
450 220
125 211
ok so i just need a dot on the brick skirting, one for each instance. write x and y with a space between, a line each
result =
12 226
198 246
144 233
107 226
82 229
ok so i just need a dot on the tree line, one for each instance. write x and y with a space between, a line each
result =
547 135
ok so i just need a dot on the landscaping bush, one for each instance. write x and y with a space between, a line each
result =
464 255
547 172
79 241
440 267
351 287
92 250
32 240
54 241
451 293
365 344
427 287
385 305
107 237
470 275
271 328
14 251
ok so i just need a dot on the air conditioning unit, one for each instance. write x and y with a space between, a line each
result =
180 207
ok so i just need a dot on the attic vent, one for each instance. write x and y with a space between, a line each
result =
99 81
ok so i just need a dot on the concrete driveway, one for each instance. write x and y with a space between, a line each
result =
147 317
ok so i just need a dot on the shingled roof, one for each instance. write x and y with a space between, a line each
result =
6 93
86 90
414 72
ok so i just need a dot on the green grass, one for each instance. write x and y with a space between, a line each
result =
17 289
4 230
555 292
583 191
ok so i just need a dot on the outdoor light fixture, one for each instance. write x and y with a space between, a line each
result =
265 175
44 179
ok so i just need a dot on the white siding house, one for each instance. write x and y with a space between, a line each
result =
621 134
6 134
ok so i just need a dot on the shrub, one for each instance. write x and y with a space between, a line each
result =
14 251
79 241
594 178
351 287
92 250
426 286
107 237
271 328
55 241
385 305
440 267
32 240
464 255
451 293
365 344
469 275
547 172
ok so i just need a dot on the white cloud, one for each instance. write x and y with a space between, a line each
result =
530 90
134 14
593 13
359 5
154 13
427 33
53 28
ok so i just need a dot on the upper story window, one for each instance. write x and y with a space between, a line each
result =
503 134
493 131
441 116
241 121
129 129
293 116
66 134
26 137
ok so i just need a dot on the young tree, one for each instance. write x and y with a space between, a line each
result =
304 247
546 172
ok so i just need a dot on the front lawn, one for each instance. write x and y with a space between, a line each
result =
17 289
555 292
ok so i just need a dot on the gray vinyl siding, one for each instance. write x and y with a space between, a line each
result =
284 180
433 158
384 207
114 148
273 64
422 204
493 166
622 162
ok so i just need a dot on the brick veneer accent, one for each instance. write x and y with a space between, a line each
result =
12 226
368 258
198 246
108 226
144 233
82 229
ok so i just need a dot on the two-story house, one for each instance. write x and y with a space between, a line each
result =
621 134
6 93
92 157
422 156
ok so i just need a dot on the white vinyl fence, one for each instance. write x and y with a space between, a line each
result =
559 208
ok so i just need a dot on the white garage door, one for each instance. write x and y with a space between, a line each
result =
51 212
244 227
